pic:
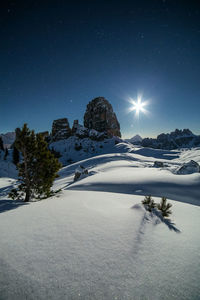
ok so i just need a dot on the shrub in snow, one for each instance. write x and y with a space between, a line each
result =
189 168
149 203
14 194
164 207
80 171
158 164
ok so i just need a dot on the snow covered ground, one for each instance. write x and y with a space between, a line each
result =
94 239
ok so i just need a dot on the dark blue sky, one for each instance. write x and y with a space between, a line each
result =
56 56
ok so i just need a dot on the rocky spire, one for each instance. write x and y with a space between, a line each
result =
99 115
60 129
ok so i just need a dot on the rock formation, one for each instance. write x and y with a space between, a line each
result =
174 140
60 129
80 172
189 168
75 126
99 115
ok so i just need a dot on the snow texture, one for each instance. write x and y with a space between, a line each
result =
95 240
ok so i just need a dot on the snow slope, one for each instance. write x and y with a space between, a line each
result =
95 240
75 149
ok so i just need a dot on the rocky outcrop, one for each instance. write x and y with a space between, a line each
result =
174 140
79 130
80 172
189 168
99 115
60 129
75 126
158 164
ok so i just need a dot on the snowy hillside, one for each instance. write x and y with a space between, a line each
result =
95 240
74 148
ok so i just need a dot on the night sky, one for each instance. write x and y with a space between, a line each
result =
56 56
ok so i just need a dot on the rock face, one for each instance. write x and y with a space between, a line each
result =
189 168
176 139
158 164
99 115
75 126
80 172
60 129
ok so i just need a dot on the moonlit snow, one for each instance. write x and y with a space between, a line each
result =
94 239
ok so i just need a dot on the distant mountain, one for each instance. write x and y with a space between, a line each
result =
174 140
135 139
8 139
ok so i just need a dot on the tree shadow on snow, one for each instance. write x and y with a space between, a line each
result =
172 190
5 190
158 153
6 205
154 217
160 219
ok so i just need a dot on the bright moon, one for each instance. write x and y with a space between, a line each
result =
138 106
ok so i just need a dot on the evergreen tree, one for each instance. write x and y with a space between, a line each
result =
164 207
1 144
6 153
38 168
15 155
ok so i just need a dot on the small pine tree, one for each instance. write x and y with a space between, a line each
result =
6 154
149 203
1 144
38 168
164 207
15 155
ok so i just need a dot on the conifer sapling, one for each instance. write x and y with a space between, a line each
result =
149 203
164 207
